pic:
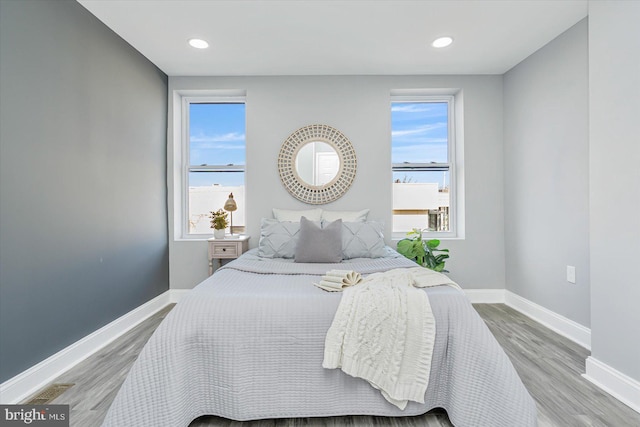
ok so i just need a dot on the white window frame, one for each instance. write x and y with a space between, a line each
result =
181 166
454 164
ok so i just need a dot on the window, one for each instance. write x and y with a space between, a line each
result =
422 156
215 155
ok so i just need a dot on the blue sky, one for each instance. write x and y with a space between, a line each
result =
419 135
217 134
216 137
419 132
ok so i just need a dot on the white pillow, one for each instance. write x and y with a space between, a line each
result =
345 216
294 215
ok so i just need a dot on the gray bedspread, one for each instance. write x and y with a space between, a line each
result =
248 343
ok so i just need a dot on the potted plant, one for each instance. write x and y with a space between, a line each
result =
423 252
219 222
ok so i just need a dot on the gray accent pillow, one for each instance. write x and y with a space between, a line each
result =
363 240
317 244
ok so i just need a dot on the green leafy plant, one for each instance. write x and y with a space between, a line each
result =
423 252
219 219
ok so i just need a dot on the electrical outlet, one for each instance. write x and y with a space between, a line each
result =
571 274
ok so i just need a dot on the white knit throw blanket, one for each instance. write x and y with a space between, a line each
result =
384 331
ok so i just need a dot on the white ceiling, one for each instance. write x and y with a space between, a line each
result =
332 37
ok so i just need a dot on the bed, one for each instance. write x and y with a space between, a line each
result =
248 342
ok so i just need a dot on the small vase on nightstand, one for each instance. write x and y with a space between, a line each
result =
218 234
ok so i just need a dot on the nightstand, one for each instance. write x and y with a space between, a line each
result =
227 248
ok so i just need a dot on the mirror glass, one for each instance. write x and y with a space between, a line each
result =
317 163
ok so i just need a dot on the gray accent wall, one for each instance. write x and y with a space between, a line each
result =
546 175
83 212
614 127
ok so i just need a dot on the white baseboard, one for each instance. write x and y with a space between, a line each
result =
25 384
566 327
617 384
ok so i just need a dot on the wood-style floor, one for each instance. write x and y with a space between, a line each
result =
550 367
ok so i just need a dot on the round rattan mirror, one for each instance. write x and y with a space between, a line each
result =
317 164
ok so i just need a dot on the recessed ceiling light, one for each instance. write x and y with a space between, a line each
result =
198 43
442 42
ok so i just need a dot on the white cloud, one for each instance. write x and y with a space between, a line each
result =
219 146
226 137
404 112
411 108
418 130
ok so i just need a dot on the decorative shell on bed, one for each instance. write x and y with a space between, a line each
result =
331 170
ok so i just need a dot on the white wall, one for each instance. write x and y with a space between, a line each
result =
614 127
546 169
359 107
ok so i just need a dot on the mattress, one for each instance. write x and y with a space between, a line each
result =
248 343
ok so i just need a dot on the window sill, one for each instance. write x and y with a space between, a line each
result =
193 238
396 237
